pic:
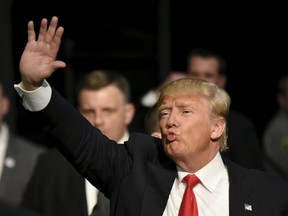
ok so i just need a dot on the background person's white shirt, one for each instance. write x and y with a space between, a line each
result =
92 191
3 146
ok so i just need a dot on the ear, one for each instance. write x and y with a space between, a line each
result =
222 81
129 113
156 134
218 128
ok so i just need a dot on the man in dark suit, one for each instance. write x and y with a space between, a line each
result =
56 188
144 176
18 157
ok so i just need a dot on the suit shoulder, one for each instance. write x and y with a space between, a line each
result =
144 141
256 178
143 144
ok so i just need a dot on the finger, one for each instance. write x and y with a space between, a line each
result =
43 29
57 65
31 32
51 30
55 45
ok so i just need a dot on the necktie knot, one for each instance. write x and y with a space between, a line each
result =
191 180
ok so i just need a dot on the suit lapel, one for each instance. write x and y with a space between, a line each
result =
240 202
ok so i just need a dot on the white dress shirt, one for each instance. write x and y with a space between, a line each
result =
212 193
3 146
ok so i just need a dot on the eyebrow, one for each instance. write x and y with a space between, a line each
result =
162 107
178 104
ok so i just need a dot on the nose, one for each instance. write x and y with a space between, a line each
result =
98 119
172 119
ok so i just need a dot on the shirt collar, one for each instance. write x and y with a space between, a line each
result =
210 175
124 138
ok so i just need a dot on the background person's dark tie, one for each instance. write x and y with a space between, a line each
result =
188 205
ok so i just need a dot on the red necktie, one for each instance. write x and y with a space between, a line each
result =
189 205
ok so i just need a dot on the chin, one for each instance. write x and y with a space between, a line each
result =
173 149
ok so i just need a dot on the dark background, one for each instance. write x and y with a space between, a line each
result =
145 40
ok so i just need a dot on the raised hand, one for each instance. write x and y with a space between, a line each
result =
38 60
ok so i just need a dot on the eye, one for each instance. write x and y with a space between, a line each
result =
87 112
185 111
109 110
164 113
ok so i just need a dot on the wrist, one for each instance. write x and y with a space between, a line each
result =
29 86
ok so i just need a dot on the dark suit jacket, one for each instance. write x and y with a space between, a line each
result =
57 189
138 176
21 156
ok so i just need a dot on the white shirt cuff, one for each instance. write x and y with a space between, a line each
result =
35 100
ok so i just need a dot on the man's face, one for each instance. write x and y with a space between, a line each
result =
107 110
187 130
206 69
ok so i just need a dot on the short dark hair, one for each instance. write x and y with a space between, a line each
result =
205 53
98 79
